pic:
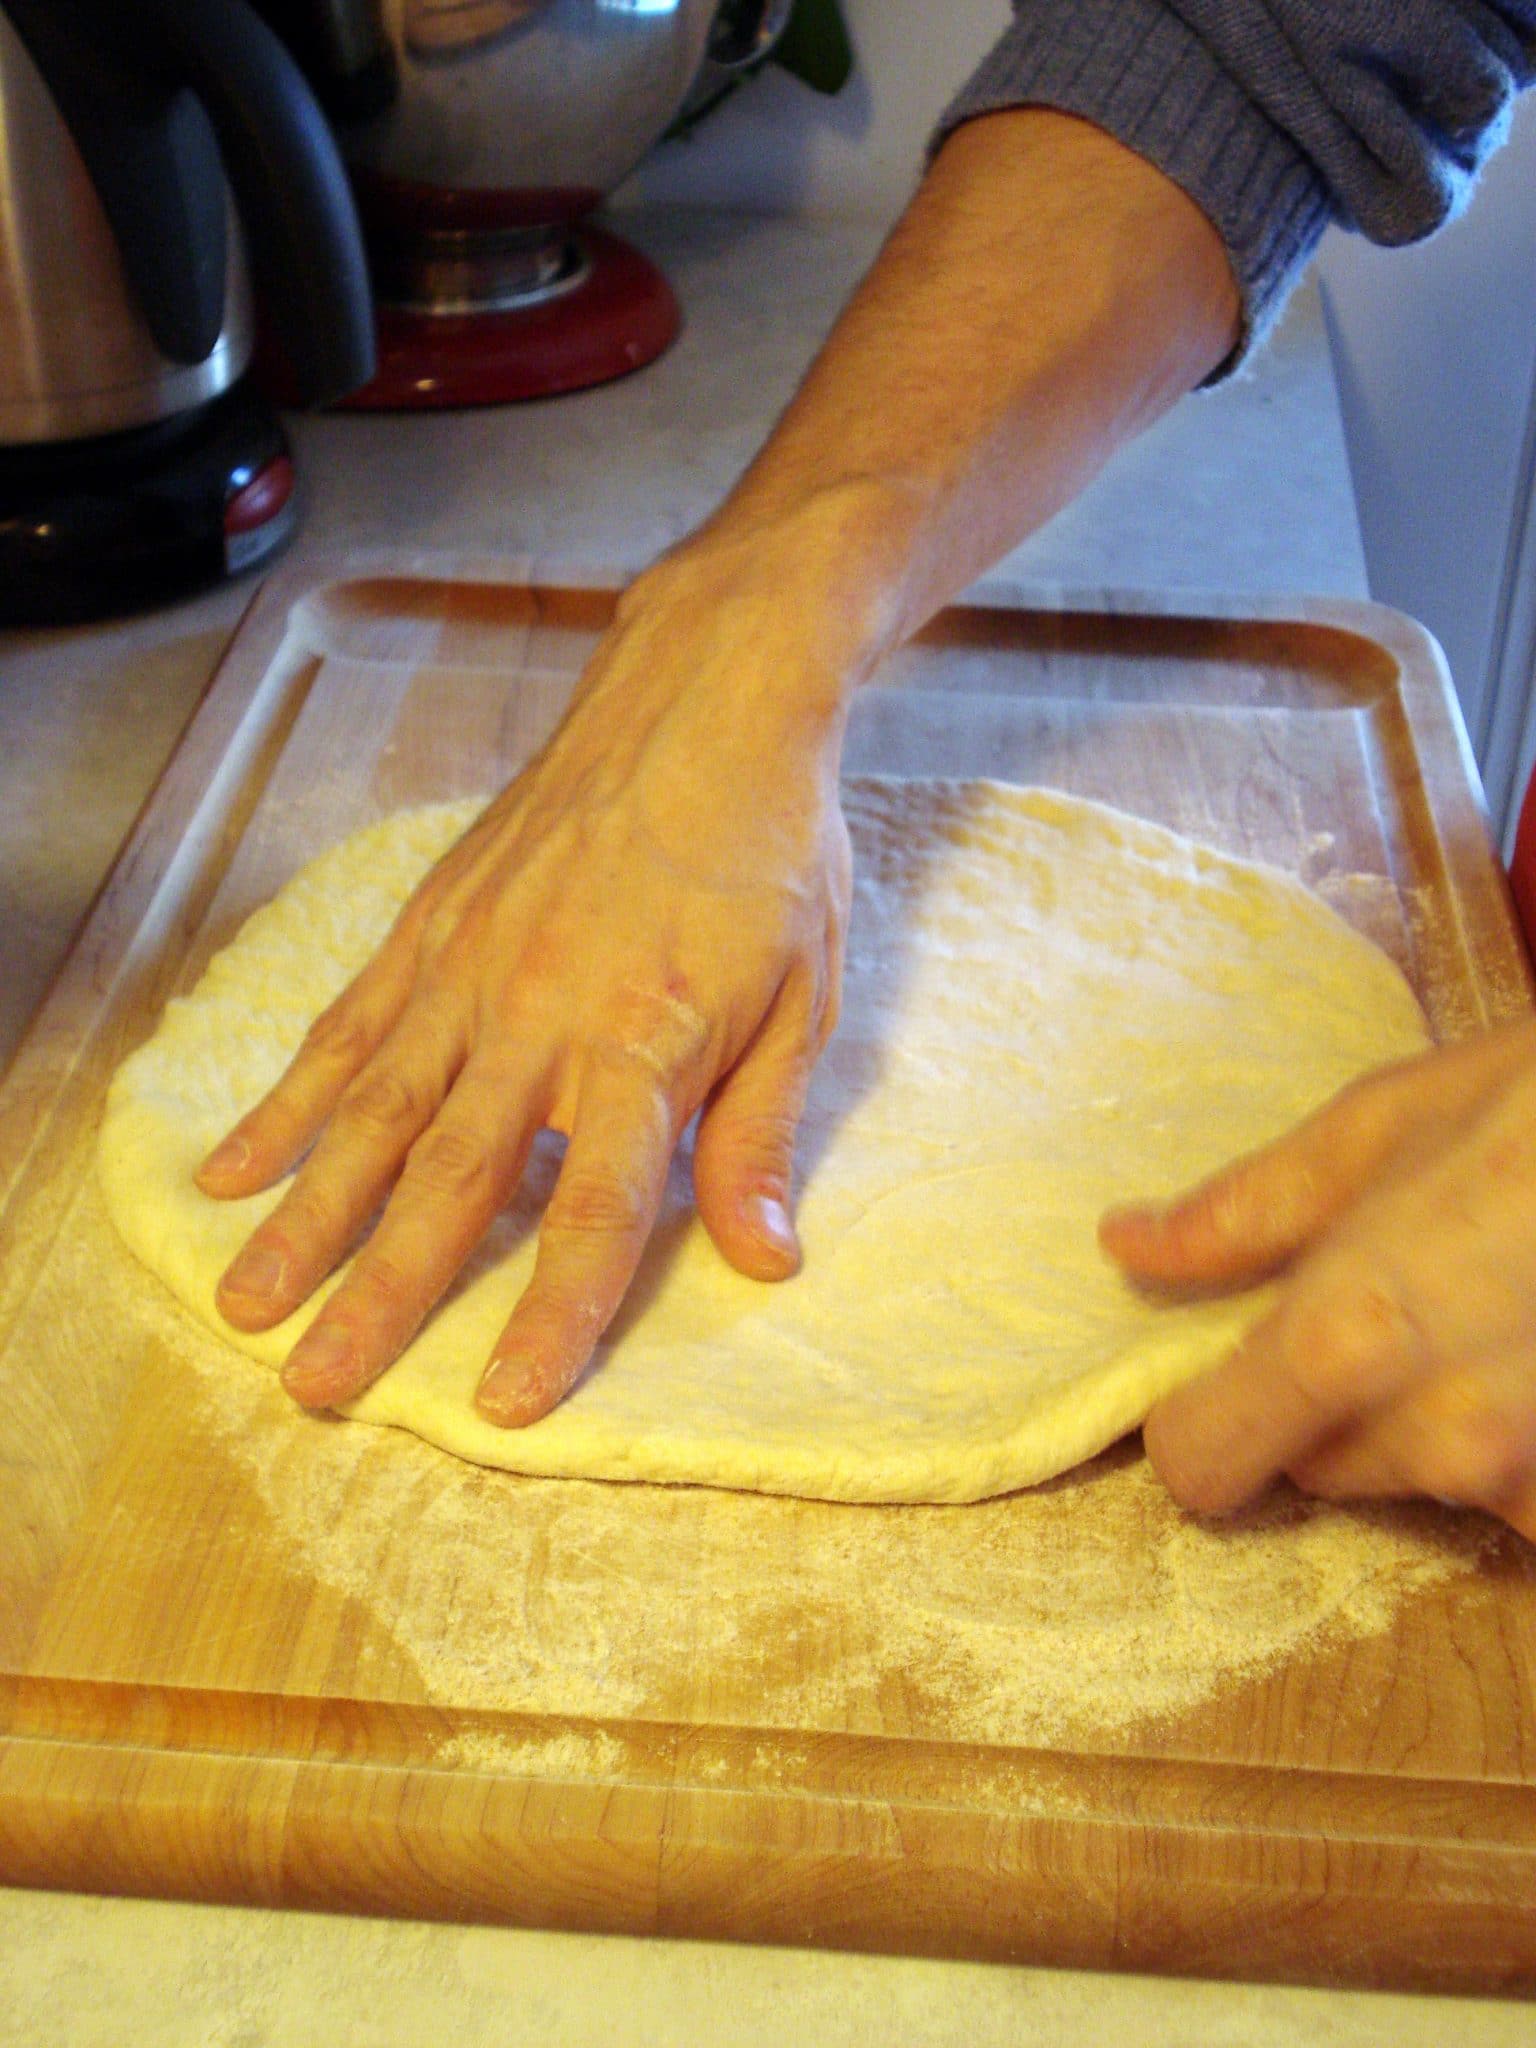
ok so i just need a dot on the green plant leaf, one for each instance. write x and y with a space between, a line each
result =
815 46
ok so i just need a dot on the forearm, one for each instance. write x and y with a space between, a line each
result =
1044 298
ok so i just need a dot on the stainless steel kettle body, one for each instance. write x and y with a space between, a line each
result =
144 153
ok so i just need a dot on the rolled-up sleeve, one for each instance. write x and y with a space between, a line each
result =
1279 116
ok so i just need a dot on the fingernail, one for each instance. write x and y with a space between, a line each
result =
259 1271
506 1390
228 1157
769 1217
320 1367
497 1383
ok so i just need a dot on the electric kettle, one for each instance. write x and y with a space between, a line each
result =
156 161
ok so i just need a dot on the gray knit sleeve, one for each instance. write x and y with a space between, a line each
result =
1277 116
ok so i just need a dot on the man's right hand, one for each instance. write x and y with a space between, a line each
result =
647 923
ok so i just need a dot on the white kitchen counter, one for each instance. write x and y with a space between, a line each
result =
1241 491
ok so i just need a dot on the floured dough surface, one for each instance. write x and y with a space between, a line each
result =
1048 1007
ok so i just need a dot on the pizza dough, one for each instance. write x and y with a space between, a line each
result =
1049 1006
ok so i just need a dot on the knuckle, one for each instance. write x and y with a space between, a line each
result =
762 1146
658 1029
386 1290
309 1216
1348 1342
449 1164
597 1204
383 1102
341 1034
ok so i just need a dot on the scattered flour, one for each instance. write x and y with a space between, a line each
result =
587 1754
1076 1610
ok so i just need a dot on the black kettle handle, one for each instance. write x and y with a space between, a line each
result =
106 67
295 201
153 161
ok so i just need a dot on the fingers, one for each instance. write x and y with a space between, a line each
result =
1233 1228
1257 1214
351 1170
265 1144
1328 1354
1428 1277
341 1041
558 919
458 1175
595 1230
743 1158
1467 1437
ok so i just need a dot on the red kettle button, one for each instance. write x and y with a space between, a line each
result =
261 499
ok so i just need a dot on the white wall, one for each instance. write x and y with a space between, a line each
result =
776 147
1435 350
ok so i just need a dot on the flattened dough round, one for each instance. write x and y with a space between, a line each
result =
1049 1006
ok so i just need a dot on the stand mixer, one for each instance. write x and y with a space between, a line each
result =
480 135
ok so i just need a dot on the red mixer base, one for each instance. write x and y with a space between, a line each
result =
621 316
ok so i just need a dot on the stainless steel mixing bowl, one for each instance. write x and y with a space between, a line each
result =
550 103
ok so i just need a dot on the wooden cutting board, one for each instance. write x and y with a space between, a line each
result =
251 1655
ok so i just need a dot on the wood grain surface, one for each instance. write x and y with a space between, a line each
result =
247 1654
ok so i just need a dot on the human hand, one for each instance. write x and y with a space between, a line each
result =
1401 1355
648 922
